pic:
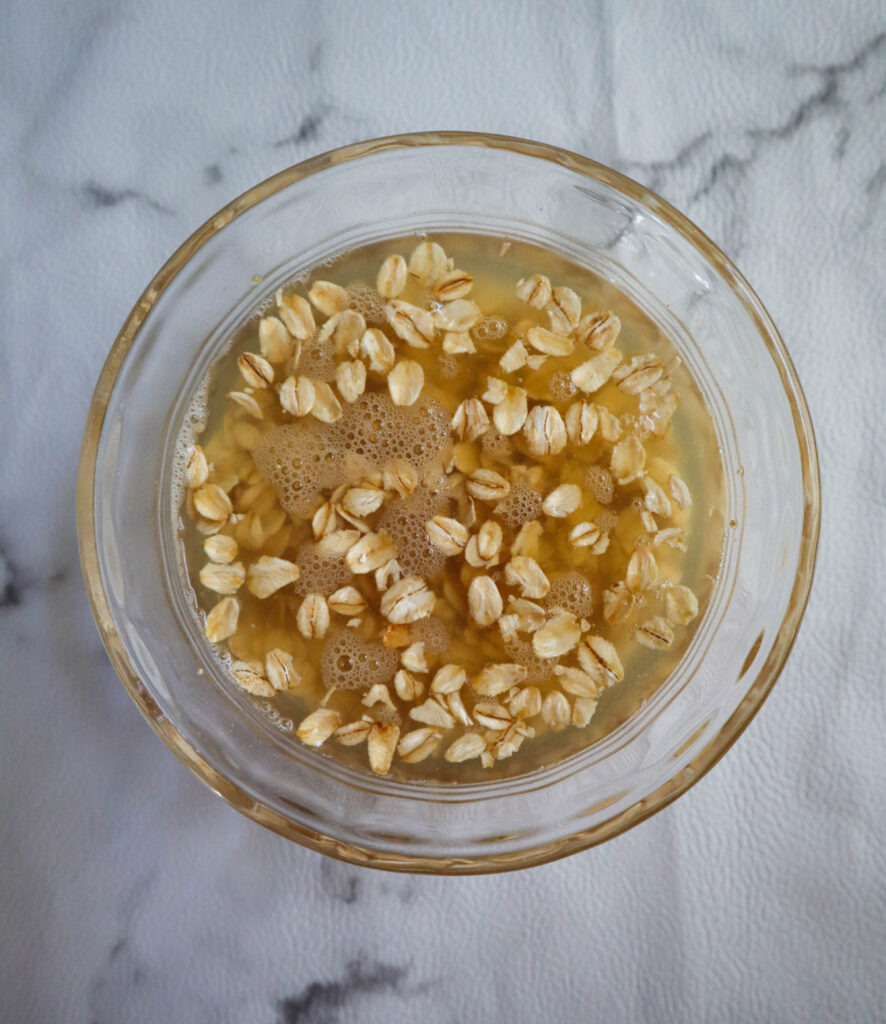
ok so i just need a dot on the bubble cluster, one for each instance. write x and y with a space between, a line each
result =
351 663
573 593
193 425
368 302
607 520
434 633
562 385
405 523
302 459
522 505
320 575
381 714
495 444
538 670
599 481
490 328
449 367
317 361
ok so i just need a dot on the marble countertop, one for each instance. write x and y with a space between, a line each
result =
128 892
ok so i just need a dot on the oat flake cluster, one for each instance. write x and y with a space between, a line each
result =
401 531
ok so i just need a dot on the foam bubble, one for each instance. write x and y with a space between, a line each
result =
368 303
562 386
572 592
434 633
351 663
405 523
193 425
599 481
522 505
607 520
383 715
320 575
490 328
449 366
495 444
317 361
538 670
305 458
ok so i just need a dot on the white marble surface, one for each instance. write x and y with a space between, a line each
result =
128 892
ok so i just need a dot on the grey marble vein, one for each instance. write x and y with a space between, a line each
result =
308 129
657 172
874 185
341 881
827 99
719 158
122 967
102 197
320 1002
10 587
17 584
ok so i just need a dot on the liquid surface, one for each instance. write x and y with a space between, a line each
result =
643 480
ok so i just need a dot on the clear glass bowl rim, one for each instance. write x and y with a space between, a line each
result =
760 685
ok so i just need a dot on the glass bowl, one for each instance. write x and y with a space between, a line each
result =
433 182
